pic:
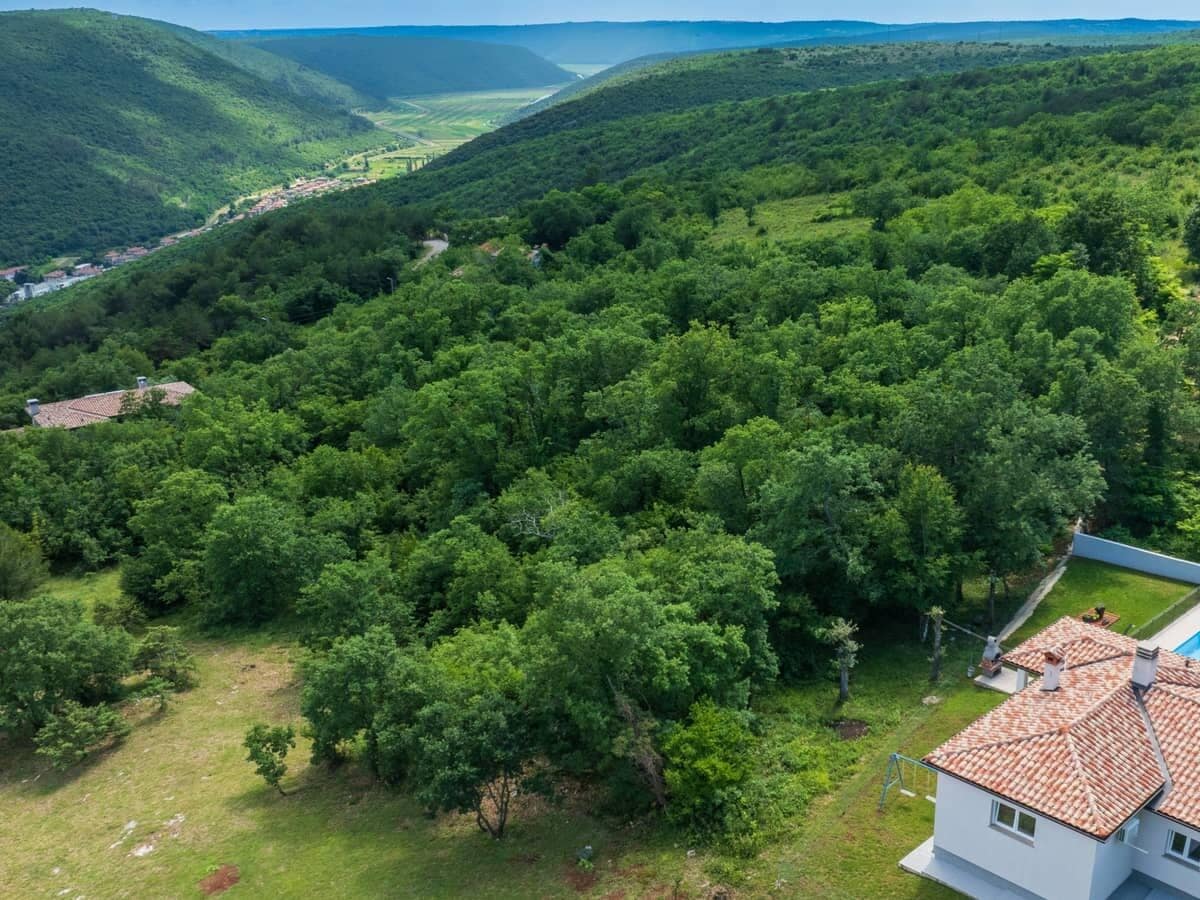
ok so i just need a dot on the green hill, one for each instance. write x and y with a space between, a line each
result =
661 84
116 130
604 517
384 66
279 70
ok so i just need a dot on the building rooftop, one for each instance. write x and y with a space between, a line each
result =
100 407
1096 750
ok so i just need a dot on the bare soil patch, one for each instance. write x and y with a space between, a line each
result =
221 880
851 729
581 880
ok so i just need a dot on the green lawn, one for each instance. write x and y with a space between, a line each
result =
1135 597
338 834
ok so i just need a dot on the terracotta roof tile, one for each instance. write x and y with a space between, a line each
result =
1086 754
101 407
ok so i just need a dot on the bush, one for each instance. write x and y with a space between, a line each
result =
121 611
162 653
708 766
74 731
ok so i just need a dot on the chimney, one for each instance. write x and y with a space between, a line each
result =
1145 665
143 382
1052 671
1022 679
992 651
32 407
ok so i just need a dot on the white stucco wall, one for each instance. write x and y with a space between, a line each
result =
1058 864
1153 839
1113 864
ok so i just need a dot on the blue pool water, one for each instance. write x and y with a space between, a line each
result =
1190 647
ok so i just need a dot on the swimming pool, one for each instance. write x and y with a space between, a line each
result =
1190 647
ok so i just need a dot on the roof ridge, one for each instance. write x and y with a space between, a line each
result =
1082 774
1065 727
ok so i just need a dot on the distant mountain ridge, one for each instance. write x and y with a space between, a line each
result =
614 42
384 65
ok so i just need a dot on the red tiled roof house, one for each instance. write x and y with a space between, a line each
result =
102 407
1084 785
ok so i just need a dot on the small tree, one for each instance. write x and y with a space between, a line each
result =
839 634
936 615
268 747
22 568
163 654
72 732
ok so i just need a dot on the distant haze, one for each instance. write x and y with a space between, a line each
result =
211 14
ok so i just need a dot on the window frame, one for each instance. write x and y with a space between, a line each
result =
1019 817
1191 845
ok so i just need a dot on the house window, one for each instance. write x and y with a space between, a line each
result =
1010 818
1127 832
1180 846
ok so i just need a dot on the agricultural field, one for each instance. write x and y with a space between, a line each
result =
440 123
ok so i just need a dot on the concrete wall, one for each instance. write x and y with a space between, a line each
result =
1155 863
1088 547
1059 864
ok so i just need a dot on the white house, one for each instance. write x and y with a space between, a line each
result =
1084 785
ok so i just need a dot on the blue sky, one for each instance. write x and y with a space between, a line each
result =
301 13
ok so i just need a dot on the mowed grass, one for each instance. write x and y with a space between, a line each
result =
182 780
814 216
442 122
1135 597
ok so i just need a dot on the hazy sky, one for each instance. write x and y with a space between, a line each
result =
301 13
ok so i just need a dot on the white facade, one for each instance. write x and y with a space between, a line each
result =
1058 862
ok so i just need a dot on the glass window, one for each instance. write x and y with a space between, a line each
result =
1183 847
1006 815
1026 824
1010 819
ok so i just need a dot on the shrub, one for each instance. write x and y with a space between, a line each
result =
121 611
709 763
268 746
162 653
75 730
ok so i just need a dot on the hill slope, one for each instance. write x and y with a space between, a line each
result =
660 84
385 66
118 130
279 70
613 42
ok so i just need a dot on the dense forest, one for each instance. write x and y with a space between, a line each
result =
568 511
118 131
382 66
666 84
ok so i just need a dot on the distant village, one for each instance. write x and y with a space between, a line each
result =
29 287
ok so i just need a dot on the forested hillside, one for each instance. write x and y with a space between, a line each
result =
278 70
614 42
673 84
694 394
383 66
116 130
